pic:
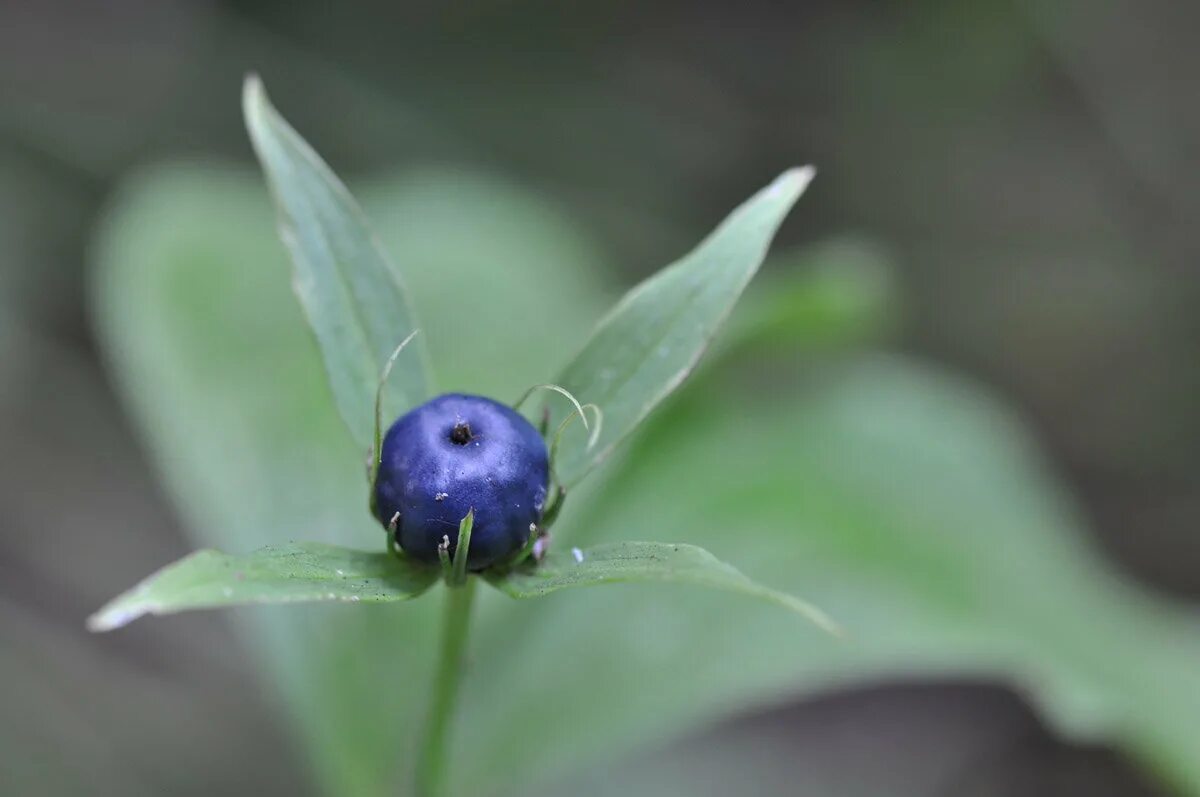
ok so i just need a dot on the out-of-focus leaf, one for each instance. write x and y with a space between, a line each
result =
907 504
353 297
507 283
831 294
213 359
646 346
140 730
306 572
647 562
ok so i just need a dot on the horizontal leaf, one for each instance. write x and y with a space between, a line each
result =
652 562
297 573
654 336
352 296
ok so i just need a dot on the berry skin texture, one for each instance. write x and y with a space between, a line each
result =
453 454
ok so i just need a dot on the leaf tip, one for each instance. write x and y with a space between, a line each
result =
252 89
815 615
255 102
828 625
110 618
808 611
794 181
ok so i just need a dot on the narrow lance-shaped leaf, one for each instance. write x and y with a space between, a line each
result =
352 296
645 347
296 573
650 562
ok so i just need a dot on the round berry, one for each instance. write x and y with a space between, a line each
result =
454 454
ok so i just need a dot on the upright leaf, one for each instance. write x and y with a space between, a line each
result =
645 347
219 374
353 297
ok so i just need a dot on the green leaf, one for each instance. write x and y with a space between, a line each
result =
911 506
303 572
214 362
825 296
536 266
645 347
908 503
647 562
352 296
217 366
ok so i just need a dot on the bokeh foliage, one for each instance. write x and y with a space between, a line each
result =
906 501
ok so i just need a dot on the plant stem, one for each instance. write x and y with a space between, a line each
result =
431 763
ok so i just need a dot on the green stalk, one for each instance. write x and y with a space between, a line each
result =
431 762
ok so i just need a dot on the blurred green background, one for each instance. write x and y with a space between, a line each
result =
958 410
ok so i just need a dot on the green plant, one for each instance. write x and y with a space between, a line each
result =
358 309
909 502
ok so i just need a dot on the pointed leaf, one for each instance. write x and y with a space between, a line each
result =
648 562
216 367
654 336
352 296
303 572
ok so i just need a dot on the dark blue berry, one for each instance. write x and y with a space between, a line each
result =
453 454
